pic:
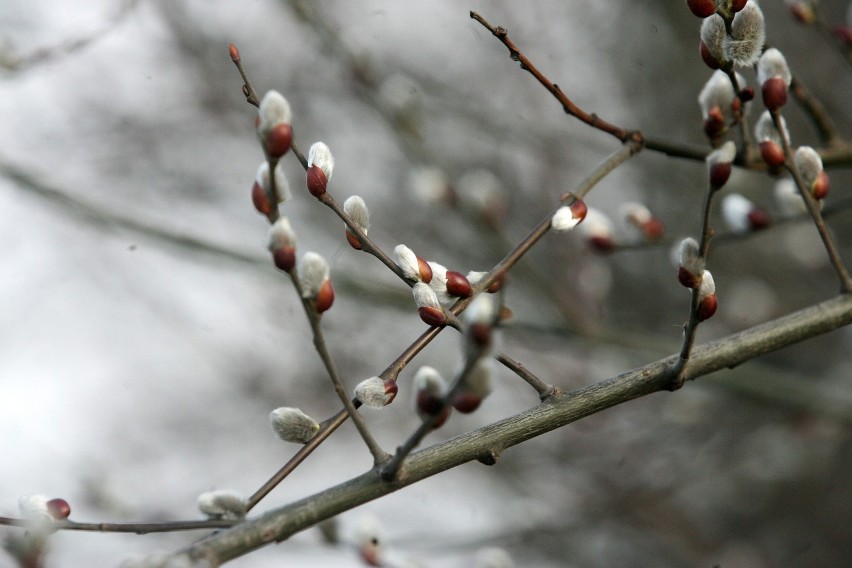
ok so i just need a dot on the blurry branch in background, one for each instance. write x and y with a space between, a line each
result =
14 62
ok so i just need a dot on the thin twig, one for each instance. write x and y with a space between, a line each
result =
137 528
813 208
544 390
568 105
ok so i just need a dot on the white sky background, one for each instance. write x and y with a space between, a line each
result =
135 375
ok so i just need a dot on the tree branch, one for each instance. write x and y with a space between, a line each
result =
486 443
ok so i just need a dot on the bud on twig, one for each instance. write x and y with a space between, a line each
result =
293 425
428 305
430 390
34 508
706 297
569 216
712 45
261 188
743 216
597 229
702 8
774 76
769 139
282 244
314 279
748 31
719 164
222 504
482 192
475 386
691 263
375 392
809 164
320 168
639 217
273 124
356 209
370 541
479 318
413 267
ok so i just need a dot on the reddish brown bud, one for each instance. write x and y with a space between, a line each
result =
747 94
702 8
258 197
845 34
428 402
317 181
738 5
279 139
707 57
819 189
391 388
772 153
432 316
284 258
442 417
466 402
233 52
425 270
687 278
706 308
58 509
653 229
714 124
774 93
325 297
579 209
480 333
499 280
719 174
758 219
602 244
457 285
353 240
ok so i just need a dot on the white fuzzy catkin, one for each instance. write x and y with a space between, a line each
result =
563 220
372 392
425 297
262 179
274 109
320 155
281 235
356 208
765 129
407 262
772 64
439 282
222 503
34 507
748 32
724 154
735 212
293 425
313 270
809 163
713 36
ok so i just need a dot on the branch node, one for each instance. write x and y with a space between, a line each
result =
489 457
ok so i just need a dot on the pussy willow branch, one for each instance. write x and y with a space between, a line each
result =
485 443
392 371
568 105
813 208
691 326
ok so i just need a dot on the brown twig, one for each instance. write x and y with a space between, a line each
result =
813 208
137 528
568 105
